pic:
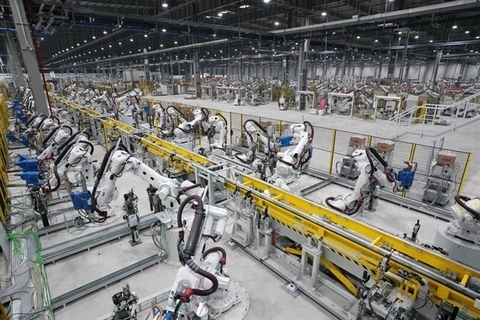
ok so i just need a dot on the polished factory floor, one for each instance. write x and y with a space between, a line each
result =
267 299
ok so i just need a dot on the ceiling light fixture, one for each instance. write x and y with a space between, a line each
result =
145 35
266 1
220 14
244 6
324 13
454 27
416 37
131 39
358 37
105 32
467 31
164 30
477 37
277 23
376 40
165 5
430 41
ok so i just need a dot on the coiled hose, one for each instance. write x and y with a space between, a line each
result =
190 248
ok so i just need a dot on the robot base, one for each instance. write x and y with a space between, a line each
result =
135 243
241 306
459 250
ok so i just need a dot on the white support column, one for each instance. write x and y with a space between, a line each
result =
29 57
14 63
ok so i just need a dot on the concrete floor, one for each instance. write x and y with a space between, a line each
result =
264 288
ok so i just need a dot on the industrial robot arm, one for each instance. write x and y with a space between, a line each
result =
254 130
186 127
298 158
366 186
57 137
218 124
201 288
121 162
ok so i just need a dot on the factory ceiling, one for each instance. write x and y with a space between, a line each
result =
86 34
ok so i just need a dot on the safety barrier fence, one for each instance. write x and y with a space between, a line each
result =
330 147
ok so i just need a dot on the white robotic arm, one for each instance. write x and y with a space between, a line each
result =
201 288
217 125
368 185
79 159
60 137
122 162
187 127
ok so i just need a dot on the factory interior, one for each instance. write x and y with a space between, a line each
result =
239 159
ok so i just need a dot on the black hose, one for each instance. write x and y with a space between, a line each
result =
256 123
223 260
205 113
388 172
312 133
196 231
99 176
355 209
378 156
461 202
49 136
193 186
66 142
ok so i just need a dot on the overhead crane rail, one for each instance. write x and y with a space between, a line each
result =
447 279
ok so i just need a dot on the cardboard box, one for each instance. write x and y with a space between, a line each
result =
445 157
282 127
265 124
385 146
357 141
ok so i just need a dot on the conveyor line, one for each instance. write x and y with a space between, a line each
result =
63 300
88 241
447 279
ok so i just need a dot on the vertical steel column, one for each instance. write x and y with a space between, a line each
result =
391 67
344 67
147 68
302 67
404 58
196 75
29 56
435 66
13 62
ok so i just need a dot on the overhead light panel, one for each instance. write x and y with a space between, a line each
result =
454 27
145 35
467 31
105 32
165 5
220 14
376 40
131 39
164 30
244 6
358 37
477 37
416 37
277 23
430 41
324 13
93 37
266 1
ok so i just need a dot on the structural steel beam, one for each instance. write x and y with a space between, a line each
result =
155 52
152 19
383 17
29 56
